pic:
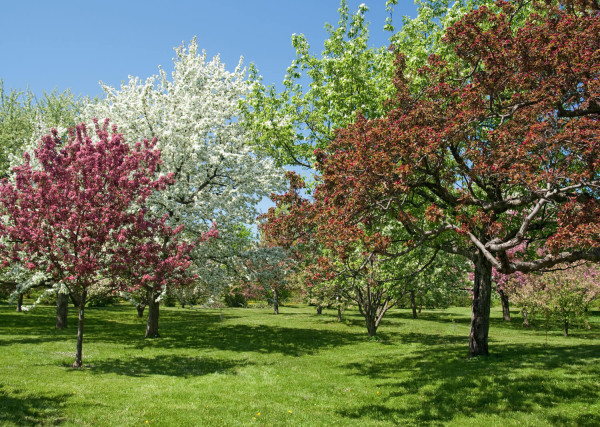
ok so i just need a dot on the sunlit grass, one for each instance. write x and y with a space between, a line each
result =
248 366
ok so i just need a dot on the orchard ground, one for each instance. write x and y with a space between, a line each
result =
248 366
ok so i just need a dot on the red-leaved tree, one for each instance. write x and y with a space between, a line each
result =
72 212
499 149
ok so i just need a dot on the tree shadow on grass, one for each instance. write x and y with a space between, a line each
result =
171 365
289 341
440 383
19 408
189 329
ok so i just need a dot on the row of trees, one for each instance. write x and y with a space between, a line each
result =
468 145
489 146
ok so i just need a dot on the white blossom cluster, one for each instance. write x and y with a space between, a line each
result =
194 114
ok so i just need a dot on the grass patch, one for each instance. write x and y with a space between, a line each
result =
248 366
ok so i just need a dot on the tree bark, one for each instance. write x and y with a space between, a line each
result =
79 353
319 309
371 326
140 310
413 304
153 312
480 313
62 310
339 309
20 303
566 328
525 320
275 302
505 306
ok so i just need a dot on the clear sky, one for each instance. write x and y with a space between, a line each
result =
48 44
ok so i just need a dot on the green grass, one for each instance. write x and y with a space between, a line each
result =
224 367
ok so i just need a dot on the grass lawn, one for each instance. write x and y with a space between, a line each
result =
247 366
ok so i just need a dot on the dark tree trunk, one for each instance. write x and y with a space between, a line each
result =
371 325
413 304
62 310
480 314
339 309
140 309
153 312
319 309
275 302
505 306
79 353
566 328
20 303
525 320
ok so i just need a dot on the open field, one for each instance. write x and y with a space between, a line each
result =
247 366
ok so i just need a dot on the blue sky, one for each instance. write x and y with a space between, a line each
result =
75 44
68 44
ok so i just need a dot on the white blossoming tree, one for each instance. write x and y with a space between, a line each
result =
219 179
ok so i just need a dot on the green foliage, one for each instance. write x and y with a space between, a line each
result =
24 119
299 369
320 92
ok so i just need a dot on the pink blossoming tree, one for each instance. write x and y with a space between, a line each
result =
77 212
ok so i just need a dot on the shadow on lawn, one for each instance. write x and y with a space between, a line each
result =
21 409
176 366
443 384
198 329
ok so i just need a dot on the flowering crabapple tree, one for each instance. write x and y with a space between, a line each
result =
563 294
365 266
218 178
263 272
70 216
497 150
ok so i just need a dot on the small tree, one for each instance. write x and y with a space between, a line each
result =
67 216
263 272
564 294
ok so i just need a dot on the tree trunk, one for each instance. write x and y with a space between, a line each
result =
140 309
20 303
480 314
153 312
62 310
566 328
339 309
525 320
413 304
319 309
79 353
505 306
275 302
371 326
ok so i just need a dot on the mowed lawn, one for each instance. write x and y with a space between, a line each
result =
248 366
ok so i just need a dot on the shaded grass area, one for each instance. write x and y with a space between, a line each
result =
247 366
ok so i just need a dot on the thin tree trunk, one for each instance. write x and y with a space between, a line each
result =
62 310
480 314
525 320
339 309
20 303
505 306
566 328
319 309
413 304
79 353
153 312
140 309
275 302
